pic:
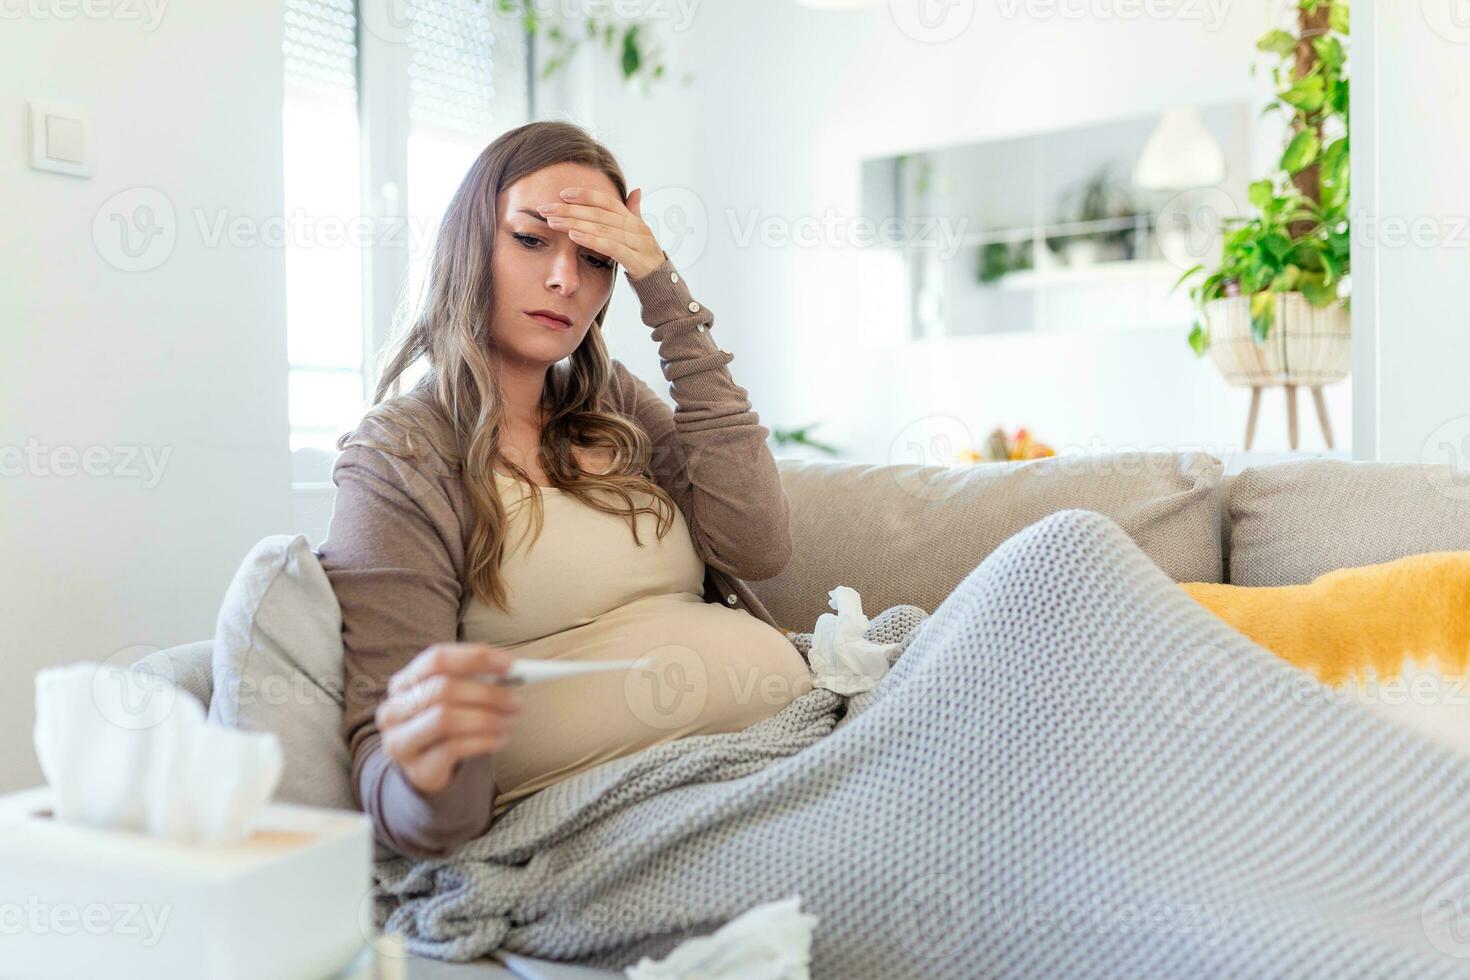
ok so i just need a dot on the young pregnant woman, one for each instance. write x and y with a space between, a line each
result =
531 497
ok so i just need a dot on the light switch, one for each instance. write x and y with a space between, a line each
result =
59 139
64 139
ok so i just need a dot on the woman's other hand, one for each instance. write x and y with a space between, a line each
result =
437 712
598 220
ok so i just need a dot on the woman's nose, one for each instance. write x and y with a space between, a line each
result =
563 273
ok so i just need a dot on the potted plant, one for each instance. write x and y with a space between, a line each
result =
1098 199
999 259
1275 310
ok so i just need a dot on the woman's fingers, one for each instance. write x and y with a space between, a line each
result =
594 197
580 212
599 230
438 722
451 658
614 249
603 232
437 712
590 227
445 689
599 221
603 215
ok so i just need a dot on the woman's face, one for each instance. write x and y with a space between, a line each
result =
535 267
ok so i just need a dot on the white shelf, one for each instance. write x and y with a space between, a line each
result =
1142 223
982 338
1096 273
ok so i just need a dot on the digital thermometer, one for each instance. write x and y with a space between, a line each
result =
527 671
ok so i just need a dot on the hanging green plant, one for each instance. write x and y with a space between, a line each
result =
1300 240
639 59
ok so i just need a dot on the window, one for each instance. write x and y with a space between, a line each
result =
324 325
387 103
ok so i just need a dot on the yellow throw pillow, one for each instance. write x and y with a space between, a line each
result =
1345 623
1394 636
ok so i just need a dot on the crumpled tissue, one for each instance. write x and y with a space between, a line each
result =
842 659
769 942
128 750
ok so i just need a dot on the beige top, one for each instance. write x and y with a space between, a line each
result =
583 590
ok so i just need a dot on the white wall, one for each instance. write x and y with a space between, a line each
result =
187 360
785 104
1411 190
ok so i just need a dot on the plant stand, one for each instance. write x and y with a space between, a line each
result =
1291 420
1306 346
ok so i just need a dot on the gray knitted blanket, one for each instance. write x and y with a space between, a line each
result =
1071 769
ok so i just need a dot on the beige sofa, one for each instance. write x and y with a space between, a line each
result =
909 534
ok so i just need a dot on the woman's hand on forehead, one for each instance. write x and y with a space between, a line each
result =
608 226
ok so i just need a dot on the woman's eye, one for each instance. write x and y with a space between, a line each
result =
531 241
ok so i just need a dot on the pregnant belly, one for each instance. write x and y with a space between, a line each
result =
711 669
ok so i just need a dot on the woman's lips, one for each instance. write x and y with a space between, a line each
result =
549 321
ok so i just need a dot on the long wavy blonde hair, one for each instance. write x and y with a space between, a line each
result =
449 327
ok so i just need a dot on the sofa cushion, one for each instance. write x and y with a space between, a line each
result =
1291 522
909 534
186 666
277 667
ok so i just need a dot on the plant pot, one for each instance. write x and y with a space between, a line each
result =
1081 252
1306 345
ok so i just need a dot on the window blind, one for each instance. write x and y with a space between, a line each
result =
320 45
467 68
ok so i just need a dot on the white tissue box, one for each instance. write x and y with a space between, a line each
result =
291 901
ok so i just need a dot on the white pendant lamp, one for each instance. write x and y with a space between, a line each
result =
1180 154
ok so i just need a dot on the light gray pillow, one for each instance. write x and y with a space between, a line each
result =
277 667
908 533
1291 522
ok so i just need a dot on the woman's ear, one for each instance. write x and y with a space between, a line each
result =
633 201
